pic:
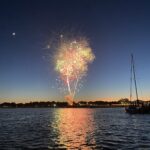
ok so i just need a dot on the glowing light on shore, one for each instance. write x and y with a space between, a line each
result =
71 62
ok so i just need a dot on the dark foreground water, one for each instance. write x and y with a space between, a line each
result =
47 128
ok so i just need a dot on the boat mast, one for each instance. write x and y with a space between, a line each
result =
134 76
131 72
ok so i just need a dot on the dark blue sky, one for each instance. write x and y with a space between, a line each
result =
114 28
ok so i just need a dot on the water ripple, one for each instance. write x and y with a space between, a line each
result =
44 128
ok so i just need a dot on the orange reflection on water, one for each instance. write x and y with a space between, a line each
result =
75 127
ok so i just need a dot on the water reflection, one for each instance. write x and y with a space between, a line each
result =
75 128
45 129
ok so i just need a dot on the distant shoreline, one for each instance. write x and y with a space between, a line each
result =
81 104
102 106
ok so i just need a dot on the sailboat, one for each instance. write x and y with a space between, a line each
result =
137 106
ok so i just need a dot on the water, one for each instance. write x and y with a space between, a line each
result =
48 128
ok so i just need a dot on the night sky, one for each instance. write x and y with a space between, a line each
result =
114 28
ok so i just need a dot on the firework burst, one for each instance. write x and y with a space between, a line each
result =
71 62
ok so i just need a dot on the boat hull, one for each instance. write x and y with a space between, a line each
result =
138 109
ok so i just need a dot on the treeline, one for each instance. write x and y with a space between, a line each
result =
34 104
53 104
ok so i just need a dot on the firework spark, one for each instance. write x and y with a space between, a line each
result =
71 62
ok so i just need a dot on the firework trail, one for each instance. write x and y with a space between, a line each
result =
71 62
